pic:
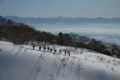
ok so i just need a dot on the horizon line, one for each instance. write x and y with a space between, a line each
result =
61 17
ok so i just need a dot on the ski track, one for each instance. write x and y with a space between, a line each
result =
34 71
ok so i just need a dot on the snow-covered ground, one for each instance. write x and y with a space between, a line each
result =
21 62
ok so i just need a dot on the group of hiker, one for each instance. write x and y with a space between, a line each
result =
51 50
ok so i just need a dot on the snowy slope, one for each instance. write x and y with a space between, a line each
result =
20 62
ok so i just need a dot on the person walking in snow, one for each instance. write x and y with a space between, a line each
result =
60 51
40 48
65 52
69 53
44 48
33 46
54 51
50 50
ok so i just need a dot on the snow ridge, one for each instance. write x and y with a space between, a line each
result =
21 62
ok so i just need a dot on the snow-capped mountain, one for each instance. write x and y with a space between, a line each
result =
21 62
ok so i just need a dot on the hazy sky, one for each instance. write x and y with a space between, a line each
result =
66 8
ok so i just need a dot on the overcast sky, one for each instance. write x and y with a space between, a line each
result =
55 8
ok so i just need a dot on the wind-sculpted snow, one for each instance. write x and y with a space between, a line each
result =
21 62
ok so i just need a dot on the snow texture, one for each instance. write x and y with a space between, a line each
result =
21 62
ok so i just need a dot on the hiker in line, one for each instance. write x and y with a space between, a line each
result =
40 48
60 51
44 48
65 52
54 51
50 50
69 53
33 45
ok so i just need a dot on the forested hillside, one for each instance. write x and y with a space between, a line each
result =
20 33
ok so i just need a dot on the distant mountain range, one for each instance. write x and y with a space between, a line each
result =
63 20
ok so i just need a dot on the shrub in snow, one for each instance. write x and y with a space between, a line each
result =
107 65
112 69
114 56
81 51
89 55
102 59
86 58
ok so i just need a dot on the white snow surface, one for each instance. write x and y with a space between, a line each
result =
21 62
